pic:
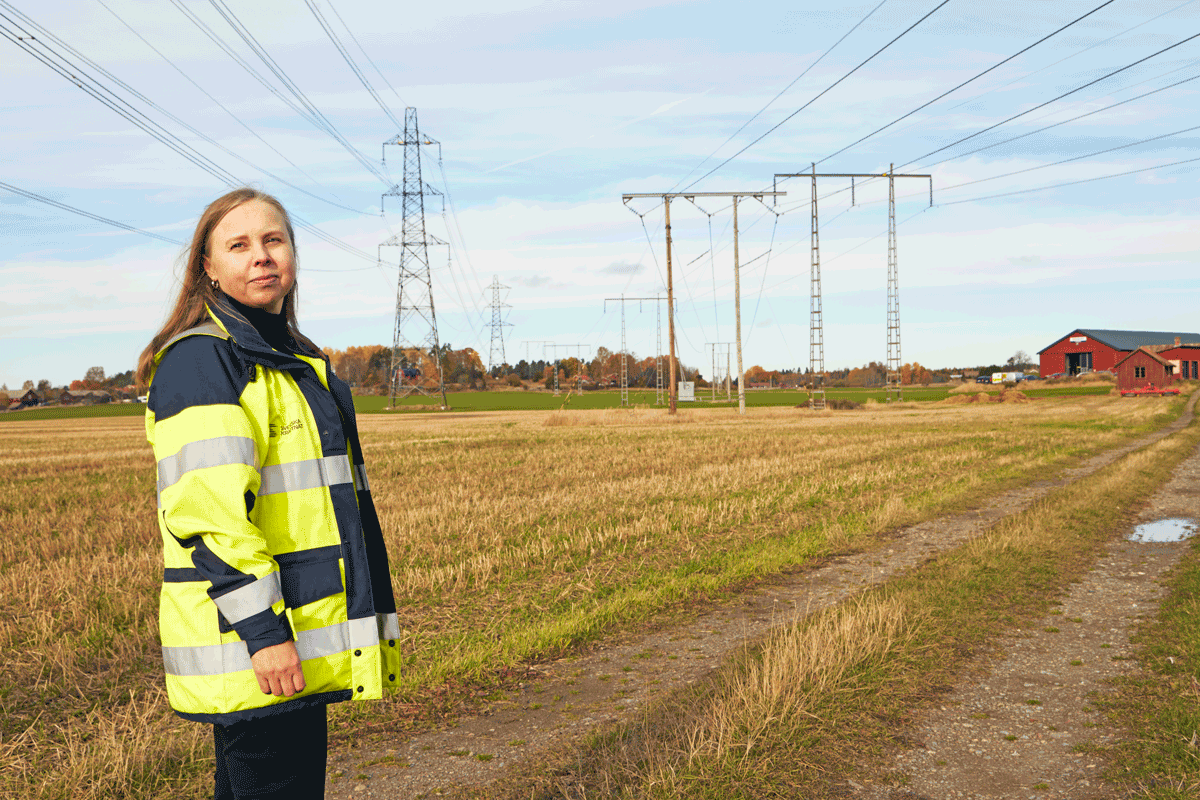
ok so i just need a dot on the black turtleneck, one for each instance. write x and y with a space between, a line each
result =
273 328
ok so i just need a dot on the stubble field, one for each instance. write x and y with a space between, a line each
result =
513 537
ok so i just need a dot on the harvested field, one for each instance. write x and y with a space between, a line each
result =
513 537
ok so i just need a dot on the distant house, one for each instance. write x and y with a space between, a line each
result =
85 397
14 401
1144 367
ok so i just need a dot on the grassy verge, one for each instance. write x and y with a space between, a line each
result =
546 401
1160 708
827 698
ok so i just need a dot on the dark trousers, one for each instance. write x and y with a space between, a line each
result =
279 756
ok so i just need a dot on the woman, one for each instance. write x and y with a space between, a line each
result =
276 596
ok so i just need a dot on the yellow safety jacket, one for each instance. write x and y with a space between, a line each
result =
269 530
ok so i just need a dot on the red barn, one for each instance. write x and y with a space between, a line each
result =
1185 357
1144 367
1087 349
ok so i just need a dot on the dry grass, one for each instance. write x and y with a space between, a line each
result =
823 699
511 538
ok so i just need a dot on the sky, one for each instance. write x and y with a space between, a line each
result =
1049 212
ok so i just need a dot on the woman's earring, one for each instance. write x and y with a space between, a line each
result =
215 284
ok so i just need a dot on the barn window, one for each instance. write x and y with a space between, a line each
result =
1139 372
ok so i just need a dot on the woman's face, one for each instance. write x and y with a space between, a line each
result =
250 255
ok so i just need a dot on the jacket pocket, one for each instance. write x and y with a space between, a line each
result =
306 576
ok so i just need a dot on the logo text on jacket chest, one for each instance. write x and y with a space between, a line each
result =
277 429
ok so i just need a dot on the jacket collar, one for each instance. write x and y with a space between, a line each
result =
247 337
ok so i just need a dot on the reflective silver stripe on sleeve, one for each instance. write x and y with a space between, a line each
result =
360 478
213 659
364 632
218 659
216 452
310 474
389 626
246 601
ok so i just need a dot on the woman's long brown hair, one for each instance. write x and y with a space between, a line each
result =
195 291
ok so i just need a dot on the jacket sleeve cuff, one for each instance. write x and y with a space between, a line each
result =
264 629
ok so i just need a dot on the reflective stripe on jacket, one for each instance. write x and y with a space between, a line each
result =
269 531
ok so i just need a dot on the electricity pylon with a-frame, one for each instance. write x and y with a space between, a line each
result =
625 351
498 324
816 345
555 347
672 389
415 333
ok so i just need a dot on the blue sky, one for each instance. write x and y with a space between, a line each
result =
548 112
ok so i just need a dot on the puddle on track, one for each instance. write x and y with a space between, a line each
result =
1164 530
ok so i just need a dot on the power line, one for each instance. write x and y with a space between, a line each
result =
91 86
1072 183
1055 99
820 95
995 66
72 209
314 114
232 116
367 56
59 64
161 131
1064 122
1074 158
350 62
759 113
1080 52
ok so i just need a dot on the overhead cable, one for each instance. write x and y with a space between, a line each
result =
370 60
234 117
100 92
1080 52
995 66
1053 100
78 74
782 91
314 114
1063 122
823 92
1072 183
72 209
358 73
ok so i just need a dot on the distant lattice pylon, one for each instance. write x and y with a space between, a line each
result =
497 325
416 363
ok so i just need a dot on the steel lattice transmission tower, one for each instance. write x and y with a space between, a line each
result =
816 346
893 308
498 324
816 331
416 336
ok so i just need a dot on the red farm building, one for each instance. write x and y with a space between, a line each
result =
1143 368
1088 349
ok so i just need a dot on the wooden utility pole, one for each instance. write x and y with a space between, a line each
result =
691 196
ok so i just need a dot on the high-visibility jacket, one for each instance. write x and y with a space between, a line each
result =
269 531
